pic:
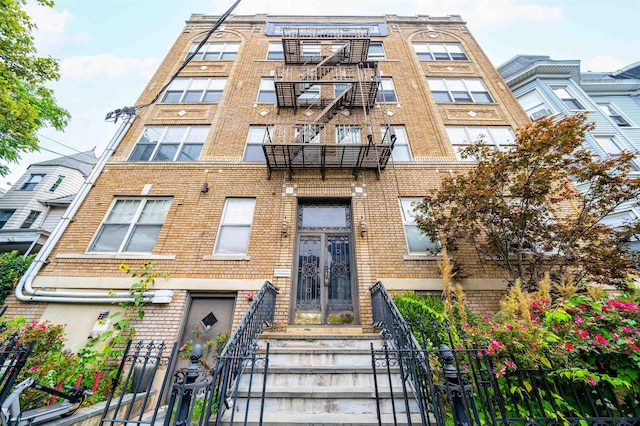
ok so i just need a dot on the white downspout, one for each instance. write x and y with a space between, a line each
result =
24 290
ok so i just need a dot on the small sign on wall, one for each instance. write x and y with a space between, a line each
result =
282 272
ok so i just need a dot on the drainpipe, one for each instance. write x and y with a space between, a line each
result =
24 290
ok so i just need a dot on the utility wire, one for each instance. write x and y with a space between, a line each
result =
60 143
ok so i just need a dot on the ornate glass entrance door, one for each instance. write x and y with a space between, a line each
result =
323 287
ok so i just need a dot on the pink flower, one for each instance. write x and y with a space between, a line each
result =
568 346
582 334
486 319
495 344
508 327
33 368
591 381
577 319
601 339
511 363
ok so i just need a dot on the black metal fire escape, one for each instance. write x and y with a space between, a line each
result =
326 69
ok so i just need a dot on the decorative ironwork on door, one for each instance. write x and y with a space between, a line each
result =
338 274
308 291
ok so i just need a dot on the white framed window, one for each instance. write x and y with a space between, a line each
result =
613 147
32 181
498 137
401 151
311 50
348 135
439 51
376 51
195 90
308 133
235 226
30 220
5 215
56 184
569 99
215 51
170 143
459 90
256 137
417 242
267 92
310 95
275 52
619 218
534 105
131 225
386 91
612 111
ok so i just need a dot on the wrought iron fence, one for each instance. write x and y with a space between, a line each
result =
454 381
13 356
202 396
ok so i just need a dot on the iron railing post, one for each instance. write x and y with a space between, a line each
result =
184 405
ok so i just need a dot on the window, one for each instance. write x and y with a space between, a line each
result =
311 50
275 52
376 52
31 183
417 242
569 100
194 90
348 134
310 95
233 236
401 150
459 90
619 219
386 91
257 136
170 143
534 105
56 184
499 137
31 218
613 147
614 114
215 51
439 52
5 215
132 225
267 93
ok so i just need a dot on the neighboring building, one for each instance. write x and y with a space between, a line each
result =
31 208
288 149
545 87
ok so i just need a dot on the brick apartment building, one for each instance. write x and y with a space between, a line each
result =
288 149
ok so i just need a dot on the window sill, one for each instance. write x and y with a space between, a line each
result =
146 256
227 257
421 257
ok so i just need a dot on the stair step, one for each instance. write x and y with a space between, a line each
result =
324 419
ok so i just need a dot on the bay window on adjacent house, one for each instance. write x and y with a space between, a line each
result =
195 90
439 51
461 137
215 51
5 215
535 106
256 137
569 99
612 111
56 184
131 225
33 181
30 220
417 242
235 226
613 147
170 143
459 90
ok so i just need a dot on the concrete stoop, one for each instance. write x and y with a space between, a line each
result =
321 378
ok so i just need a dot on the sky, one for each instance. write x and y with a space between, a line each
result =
109 49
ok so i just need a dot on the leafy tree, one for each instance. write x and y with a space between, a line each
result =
26 104
520 209
12 267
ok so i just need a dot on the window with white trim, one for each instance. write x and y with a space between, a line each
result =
417 242
376 51
235 226
5 215
613 147
30 220
267 92
348 134
56 184
612 111
619 218
131 225
461 137
195 90
215 51
33 181
386 91
534 105
310 95
275 51
459 90
170 143
439 51
256 137
569 99
401 151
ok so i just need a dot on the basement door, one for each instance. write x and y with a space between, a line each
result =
324 284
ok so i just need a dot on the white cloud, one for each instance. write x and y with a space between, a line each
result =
52 27
604 63
107 66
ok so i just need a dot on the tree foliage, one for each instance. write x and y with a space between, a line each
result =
12 267
26 104
523 209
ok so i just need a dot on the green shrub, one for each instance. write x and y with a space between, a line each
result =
12 267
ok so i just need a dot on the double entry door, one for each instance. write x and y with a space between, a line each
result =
323 285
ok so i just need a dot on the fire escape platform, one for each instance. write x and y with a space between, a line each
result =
356 42
362 93
291 156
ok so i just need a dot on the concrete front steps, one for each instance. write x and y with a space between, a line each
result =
321 377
